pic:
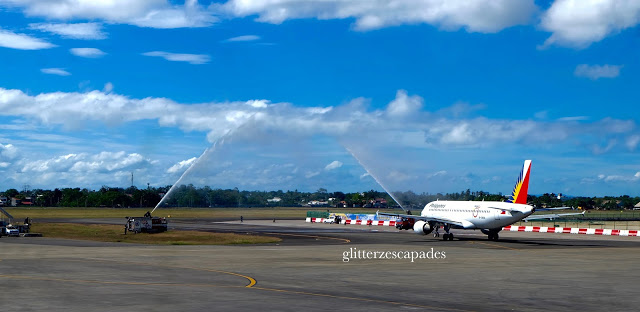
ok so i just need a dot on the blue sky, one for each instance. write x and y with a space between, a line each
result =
432 96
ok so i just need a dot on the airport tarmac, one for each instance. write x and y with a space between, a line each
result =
307 272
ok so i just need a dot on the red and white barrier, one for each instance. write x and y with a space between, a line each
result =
544 229
359 222
511 228
315 220
370 222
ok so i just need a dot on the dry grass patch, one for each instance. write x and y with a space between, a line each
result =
115 233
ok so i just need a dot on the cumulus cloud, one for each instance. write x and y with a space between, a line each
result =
484 16
85 31
404 104
180 57
85 163
8 153
619 178
87 52
181 166
579 23
333 165
595 72
55 71
143 13
254 119
243 38
9 39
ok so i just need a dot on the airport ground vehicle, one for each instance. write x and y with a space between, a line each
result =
10 230
331 220
146 224
405 224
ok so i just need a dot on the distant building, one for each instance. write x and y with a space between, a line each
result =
27 201
317 203
15 201
274 200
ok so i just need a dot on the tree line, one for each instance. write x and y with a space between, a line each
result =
192 196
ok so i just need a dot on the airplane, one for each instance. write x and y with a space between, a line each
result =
487 216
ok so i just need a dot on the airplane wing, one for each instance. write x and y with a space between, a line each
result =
554 208
551 216
436 219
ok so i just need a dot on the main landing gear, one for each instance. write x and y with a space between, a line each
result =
447 235
492 235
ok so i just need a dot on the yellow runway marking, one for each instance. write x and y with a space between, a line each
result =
54 279
252 283
65 280
346 241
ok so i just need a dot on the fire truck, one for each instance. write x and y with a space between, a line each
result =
145 224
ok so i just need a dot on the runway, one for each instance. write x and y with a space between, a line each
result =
522 272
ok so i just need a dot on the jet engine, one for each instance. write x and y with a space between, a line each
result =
422 228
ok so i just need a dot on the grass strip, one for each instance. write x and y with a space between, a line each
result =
115 233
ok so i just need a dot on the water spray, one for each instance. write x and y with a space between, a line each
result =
193 165
373 176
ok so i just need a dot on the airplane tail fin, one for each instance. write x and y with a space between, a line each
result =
519 194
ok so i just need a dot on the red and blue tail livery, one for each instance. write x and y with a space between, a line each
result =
519 194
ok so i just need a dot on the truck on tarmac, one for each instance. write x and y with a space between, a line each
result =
405 223
146 224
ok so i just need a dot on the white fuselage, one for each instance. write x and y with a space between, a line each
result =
476 214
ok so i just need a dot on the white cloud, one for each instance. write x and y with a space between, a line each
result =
12 40
404 105
632 142
579 23
55 71
619 178
8 153
398 176
108 87
333 165
243 38
87 52
85 31
143 13
81 169
595 72
85 163
574 118
487 16
597 149
311 174
255 120
181 57
181 166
